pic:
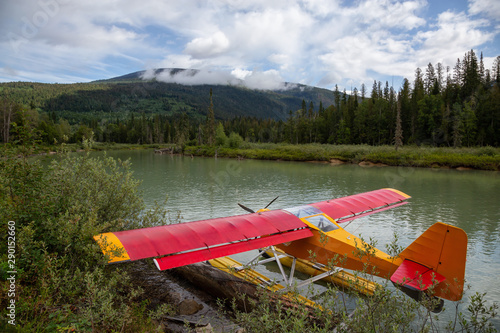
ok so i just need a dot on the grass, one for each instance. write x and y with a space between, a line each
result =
479 158
482 158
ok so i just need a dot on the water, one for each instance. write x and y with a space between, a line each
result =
204 188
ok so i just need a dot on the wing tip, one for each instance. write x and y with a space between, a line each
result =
110 245
406 196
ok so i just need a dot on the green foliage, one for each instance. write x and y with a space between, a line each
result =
235 140
460 112
220 136
387 310
57 210
66 285
486 158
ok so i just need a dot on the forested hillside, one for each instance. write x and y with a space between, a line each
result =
439 107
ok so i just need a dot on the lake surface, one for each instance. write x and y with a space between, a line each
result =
204 188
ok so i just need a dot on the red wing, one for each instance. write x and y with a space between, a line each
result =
202 240
191 242
358 205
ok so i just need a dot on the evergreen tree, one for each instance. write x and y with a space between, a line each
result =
482 74
210 123
398 134
374 94
417 95
470 74
457 125
469 122
457 73
405 101
363 92
430 78
336 96
440 76
496 70
386 91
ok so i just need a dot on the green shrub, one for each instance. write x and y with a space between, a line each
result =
388 310
220 136
235 140
57 210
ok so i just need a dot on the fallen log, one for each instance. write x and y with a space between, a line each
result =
219 284
222 285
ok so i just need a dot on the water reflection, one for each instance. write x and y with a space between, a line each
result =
207 188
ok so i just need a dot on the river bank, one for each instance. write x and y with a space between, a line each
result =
476 158
484 158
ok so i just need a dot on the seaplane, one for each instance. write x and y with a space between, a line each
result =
434 263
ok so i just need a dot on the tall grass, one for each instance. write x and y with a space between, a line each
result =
483 158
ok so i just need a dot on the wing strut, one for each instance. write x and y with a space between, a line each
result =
287 278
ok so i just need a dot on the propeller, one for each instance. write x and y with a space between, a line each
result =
251 210
269 204
246 208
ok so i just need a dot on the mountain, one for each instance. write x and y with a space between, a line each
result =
119 96
229 99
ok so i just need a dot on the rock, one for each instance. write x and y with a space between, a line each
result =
205 329
189 307
336 161
371 164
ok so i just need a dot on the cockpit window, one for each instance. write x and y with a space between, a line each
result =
303 211
322 223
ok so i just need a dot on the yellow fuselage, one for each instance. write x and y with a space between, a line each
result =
342 249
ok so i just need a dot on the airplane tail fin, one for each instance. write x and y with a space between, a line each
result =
435 260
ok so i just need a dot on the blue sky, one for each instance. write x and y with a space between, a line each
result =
258 42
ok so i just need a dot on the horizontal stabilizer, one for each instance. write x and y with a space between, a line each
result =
349 208
442 249
415 275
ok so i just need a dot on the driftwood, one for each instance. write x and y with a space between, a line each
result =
200 285
192 306
224 286
165 151
219 284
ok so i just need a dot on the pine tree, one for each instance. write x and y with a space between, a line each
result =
363 92
374 94
496 70
405 106
470 74
430 78
386 91
416 97
457 73
210 124
440 76
482 74
398 134
457 125
336 95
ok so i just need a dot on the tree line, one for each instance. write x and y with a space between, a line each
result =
440 107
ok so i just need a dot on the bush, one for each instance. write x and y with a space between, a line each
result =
235 140
57 210
220 136
387 310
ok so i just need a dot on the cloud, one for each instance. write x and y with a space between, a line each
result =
489 8
259 80
453 35
263 43
209 46
267 80
388 13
